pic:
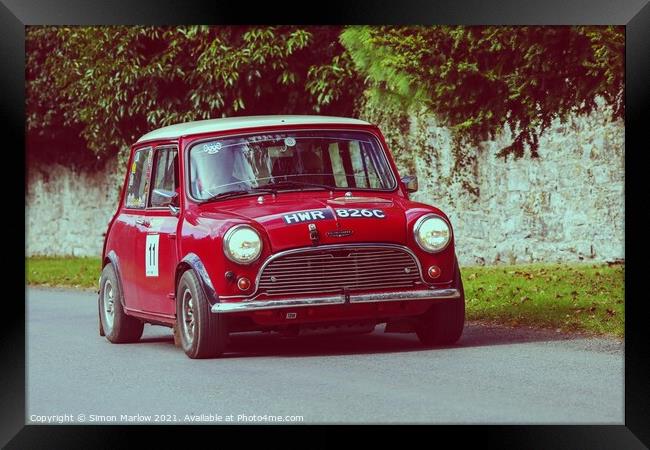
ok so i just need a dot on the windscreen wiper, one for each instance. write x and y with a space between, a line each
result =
298 184
270 188
238 193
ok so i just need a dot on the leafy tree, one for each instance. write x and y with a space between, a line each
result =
477 79
91 91
109 85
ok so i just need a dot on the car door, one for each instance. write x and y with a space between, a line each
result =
126 228
156 244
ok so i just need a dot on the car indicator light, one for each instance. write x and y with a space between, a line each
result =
243 284
434 271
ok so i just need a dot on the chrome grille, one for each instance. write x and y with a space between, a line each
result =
335 270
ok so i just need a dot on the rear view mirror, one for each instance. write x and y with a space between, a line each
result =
410 182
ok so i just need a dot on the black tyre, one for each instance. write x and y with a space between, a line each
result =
443 322
114 323
202 334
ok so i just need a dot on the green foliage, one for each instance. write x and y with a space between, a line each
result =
394 122
113 84
92 91
478 79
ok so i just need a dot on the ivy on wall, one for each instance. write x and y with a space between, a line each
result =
477 79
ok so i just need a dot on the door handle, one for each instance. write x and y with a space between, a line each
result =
142 222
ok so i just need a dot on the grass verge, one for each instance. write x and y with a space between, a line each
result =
64 272
575 297
579 297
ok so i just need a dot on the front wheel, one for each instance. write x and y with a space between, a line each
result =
443 322
114 323
202 334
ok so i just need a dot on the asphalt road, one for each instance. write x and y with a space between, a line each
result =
493 376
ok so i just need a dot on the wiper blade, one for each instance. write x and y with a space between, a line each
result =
299 184
237 193
270 188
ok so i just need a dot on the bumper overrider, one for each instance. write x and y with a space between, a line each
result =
338 299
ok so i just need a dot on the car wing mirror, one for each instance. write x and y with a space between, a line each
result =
410 182
163 197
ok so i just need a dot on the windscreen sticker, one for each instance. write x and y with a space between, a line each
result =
151 255
354 212
212 148
308 216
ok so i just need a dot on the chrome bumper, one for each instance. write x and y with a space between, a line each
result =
340 299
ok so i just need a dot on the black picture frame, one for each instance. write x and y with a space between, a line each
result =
634 14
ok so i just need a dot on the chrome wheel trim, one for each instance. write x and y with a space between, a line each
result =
108 300
187 319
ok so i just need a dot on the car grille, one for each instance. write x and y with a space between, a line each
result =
335 270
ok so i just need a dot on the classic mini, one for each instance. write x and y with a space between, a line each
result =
290 224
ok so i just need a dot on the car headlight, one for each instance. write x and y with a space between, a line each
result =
432 233
242 244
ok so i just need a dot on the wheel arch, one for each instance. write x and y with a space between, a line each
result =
458 278
193 262
111 258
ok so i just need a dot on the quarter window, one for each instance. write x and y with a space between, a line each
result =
139 175
165 173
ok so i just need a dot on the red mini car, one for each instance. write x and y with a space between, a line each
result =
294 224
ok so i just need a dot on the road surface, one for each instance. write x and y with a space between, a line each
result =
492 376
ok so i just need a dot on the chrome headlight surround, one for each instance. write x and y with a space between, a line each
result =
239 237
417 229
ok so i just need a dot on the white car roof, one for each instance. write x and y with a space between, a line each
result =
234 123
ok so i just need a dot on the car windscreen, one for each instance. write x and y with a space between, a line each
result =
330 159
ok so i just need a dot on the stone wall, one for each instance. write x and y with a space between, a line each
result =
67 211
568 205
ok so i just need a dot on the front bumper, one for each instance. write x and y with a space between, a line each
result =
339 299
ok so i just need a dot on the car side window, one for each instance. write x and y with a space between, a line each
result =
140 171
165 173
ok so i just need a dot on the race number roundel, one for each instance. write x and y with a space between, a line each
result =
151 255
